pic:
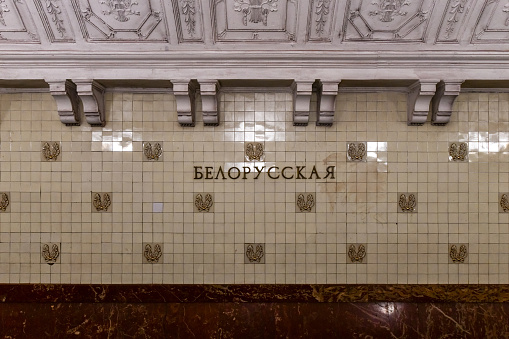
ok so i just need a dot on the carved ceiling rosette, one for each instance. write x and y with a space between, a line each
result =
16 24
122 20
387 20
492 23
254 20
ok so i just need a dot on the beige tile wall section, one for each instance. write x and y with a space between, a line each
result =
51 202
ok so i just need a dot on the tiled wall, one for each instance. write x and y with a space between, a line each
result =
153 201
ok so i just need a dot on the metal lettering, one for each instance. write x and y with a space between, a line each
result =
268 172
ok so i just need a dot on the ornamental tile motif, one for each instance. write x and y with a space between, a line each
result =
101 204
50 256
203 205
152 152
257 10
50 151
458 256
357 253
458 152
407 204
255 253
388 9
121 9
254 151
356 151
504 202
305 204
4 201
152 256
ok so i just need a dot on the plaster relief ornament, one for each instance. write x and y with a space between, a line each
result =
356 152
257 10
322 12
458 257
305 205
50 152
55 11
203 205
120 8
388 9
3 9
456 9
458 153
50 257
152 153
254 151
504 203
506 10
357 255
189 10
4 203
152 256
252 255
407 205
102 204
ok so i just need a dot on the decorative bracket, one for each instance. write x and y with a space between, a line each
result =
185 94
210 103
66 97
91 94
301 100
419 99
326 105
441 106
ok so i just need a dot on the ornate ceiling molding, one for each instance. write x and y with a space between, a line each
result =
16 24
121 20
56 22
254 20
387 20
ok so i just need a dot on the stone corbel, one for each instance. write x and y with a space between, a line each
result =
441 106
185 94
326 103
419 98
301 100
91 94
210 104
66 98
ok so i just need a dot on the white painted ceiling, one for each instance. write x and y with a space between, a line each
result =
255 39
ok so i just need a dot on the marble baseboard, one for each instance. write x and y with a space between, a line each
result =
255 320
49 293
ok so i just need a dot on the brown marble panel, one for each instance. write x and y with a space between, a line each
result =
46 293
27 320
465 320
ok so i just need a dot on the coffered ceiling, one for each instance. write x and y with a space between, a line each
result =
250 34
313 44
